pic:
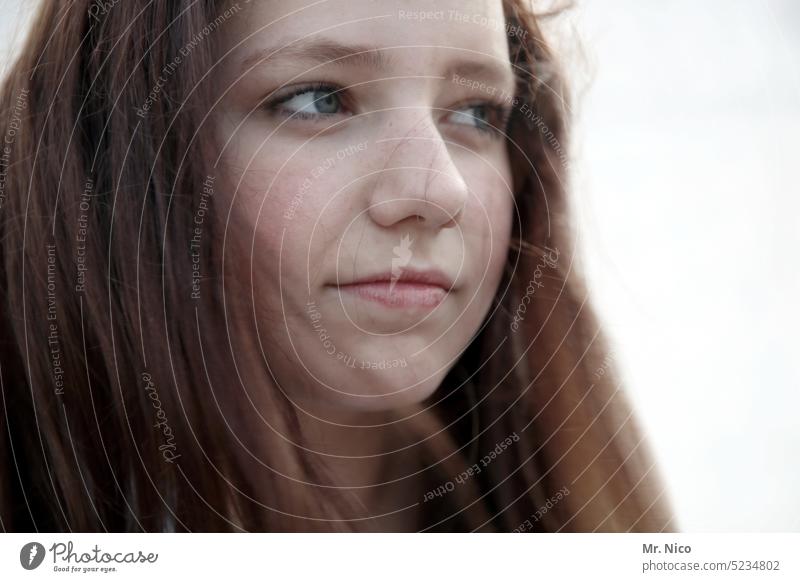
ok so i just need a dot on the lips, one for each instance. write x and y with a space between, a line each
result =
406 288
430 277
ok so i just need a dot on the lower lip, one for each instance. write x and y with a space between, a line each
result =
400 295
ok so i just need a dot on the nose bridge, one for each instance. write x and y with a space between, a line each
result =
419 175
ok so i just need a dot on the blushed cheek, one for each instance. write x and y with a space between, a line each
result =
261 234
499 209
501 217
294 234
490 218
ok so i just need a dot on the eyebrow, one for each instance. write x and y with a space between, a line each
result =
327 51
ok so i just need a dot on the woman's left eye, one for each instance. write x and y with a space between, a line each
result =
310 102
484 117
475 115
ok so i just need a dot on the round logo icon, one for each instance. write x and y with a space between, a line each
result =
31 555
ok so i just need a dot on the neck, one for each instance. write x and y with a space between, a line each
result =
365 452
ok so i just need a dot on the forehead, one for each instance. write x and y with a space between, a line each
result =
413 32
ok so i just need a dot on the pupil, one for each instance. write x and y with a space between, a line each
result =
480 114
326 101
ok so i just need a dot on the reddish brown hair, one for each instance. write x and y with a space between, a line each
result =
96 225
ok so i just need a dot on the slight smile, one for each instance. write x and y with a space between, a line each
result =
410 288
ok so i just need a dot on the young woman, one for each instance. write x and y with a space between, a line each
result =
300 266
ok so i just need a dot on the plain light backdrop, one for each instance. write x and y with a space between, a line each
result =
686 151
686 184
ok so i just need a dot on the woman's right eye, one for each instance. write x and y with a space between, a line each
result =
309 102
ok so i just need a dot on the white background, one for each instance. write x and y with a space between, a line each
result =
686 185
687 150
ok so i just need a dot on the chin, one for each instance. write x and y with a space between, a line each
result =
376 390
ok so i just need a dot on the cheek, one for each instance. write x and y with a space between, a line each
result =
271 191
487 227
291 221
258 235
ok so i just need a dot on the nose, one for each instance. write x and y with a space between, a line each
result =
419 178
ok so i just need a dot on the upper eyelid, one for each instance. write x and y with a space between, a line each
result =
344 91
300 89
498 107
494 129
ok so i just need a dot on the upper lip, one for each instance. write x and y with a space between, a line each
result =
407 275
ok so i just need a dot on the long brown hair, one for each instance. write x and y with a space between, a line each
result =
122 405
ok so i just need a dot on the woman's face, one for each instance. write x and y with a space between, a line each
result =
369 187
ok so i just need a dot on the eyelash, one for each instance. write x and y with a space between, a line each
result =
273 105
499 113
